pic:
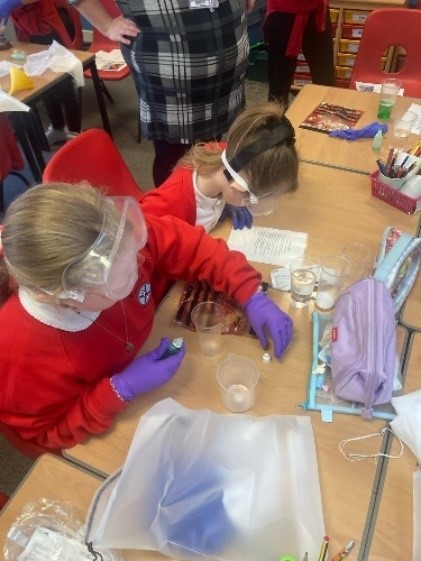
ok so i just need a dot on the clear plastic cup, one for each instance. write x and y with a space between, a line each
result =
361 259
208 318
388 93
334 270
304 275
238 377
402 125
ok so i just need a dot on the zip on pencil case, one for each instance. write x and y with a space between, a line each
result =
363 346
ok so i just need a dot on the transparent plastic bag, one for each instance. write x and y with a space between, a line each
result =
49 530
201 485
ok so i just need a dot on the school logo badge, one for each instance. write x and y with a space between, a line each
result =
144 293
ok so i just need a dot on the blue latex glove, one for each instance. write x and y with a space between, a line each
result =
240 215
6 6
366 132
148 371
267 319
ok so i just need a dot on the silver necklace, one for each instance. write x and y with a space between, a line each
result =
128 345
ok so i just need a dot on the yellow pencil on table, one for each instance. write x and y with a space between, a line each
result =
323 550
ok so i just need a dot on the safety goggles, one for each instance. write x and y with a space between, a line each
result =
110 266
258 205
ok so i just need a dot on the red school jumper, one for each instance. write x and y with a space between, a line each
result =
54 384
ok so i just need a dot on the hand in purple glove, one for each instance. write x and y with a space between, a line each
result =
368 131
266 318
240 215
148 371
6 6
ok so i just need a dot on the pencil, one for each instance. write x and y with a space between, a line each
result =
323 550
345 551
389 161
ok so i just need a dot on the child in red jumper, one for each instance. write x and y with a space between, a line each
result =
81 264
242 178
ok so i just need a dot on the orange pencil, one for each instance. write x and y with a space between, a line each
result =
345 551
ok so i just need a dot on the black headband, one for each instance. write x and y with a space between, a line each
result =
268 139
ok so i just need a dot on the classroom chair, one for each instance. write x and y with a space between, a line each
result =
69 13
385 28
11 160
103 165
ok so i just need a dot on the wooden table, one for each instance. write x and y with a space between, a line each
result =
326 206
317 147
28 124
392 533
56 479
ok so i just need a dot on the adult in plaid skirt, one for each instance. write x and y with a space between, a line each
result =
189 60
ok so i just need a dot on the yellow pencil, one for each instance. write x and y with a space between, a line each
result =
323 550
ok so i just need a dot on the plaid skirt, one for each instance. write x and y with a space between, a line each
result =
188 66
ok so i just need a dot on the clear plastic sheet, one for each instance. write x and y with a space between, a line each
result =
201 485
49 530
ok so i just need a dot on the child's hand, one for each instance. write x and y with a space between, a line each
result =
240 215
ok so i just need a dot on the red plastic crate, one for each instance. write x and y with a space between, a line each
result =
393 196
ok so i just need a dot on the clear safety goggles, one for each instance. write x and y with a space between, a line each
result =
110 266
258 205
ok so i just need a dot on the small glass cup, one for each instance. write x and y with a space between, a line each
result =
361 259
238 377
389 90
208 318
304 275
402 126
334 270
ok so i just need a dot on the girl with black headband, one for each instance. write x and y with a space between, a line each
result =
242 178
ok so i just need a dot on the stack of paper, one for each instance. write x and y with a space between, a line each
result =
269 245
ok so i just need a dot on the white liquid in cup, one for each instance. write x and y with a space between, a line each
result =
326 300
238 377
238 398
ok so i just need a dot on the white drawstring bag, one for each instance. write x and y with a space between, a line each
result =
406 425
201 485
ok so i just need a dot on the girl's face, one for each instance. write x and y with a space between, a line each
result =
233 193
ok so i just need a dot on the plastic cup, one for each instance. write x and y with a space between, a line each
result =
389 90
304 275
334 270
361 259
208 318
402 126
238 377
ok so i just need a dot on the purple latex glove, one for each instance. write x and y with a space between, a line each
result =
148 372
240 215
6 6
266 318
366 132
